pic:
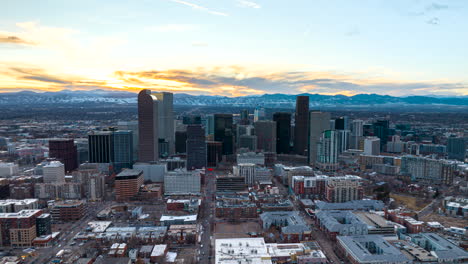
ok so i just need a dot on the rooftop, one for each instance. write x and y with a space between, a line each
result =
372 249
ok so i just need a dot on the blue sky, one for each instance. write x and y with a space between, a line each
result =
236 47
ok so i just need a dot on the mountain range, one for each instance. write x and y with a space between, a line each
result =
266 100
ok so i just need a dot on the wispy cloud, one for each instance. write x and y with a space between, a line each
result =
245 3
174 28
11 39
199 44
227 81
433 21
199 7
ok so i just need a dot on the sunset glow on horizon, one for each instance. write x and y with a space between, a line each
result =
236 48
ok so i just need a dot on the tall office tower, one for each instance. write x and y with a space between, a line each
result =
223 132
372 146
209 125
181 141
166 119
283 132
381 130
343 140
54 172
357 133
327 150
259 114
301 128
456 148
101 147
266 135
319 122
247 142
66 151
214 153
340 123
192 120
132 126
244 117
123 149
148 122
196 147
246 171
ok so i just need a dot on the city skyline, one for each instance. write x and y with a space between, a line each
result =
236 47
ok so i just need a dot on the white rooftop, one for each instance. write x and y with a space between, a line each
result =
241 251
158 250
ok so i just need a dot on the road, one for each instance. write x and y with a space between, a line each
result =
207 219
326 245
47 254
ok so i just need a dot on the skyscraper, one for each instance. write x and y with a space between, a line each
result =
381 130
266 135
259 114
283 132
166 119
327 150
148 122
214 153
244 117
223 132
101 147
301 128
196 147
132 126
319 122
357 132
456 148
64 150
123 149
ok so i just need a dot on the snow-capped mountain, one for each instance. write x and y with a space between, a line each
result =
266 100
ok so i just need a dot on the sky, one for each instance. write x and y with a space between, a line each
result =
236 47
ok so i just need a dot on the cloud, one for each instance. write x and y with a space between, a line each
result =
11 39
240 81
199 7
433 21
245 3
174 28
199 44
436 7
226 81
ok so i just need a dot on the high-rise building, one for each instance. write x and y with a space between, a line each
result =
8 169
18 229
128 183
101 147
123 149
148 122
381 130
456 148
132 126
343 140
54 172
372 146
427 170
181 141
244 117
246 171
259 114
327 150
301 127
319 122
343 189
223 132
247 142
283 132
210 125
266 135
179 182
166 120
196 147
214 153
357 133
64 150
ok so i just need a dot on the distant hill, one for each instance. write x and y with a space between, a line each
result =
266 100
